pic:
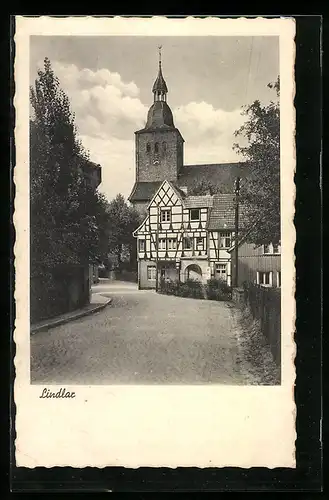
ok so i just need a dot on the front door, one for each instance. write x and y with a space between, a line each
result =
221 272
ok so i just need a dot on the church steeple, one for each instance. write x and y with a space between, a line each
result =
159 145
160 89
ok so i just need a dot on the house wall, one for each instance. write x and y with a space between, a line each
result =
143 281
250 250
216 253
169 161
251 260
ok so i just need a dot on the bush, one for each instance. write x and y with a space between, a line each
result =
218 289
189 288
195 288
215 289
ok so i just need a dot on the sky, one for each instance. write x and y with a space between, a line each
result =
109 79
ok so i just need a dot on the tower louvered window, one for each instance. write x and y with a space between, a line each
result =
156 153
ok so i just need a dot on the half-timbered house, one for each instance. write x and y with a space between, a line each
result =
185 237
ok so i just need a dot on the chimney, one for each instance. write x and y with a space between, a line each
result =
184 189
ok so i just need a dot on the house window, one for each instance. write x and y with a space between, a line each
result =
275 248
141 245
187 243
151 273
195 214
200 243
224 240
266 248
264 278
162 244
278 279
172 243
148 147
221 271
165 215
156 148
164 147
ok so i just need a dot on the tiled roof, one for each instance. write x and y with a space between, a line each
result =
177 190
198 201
144 191
222 214
221 174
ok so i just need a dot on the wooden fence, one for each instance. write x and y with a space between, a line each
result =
265 305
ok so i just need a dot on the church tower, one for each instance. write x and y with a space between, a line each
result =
159 145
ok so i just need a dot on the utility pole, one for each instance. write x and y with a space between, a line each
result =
236 236
157 253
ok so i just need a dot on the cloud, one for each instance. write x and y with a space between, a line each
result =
108 111
209 130
71 75
103 96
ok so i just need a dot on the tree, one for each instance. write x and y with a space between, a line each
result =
204 187
67 214
122 221
260 192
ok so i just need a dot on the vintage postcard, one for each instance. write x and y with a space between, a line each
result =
154 254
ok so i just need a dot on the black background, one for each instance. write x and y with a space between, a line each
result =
307 477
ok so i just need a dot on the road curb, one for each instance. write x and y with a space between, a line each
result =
63 321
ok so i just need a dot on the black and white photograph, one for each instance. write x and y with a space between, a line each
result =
158 197
155 191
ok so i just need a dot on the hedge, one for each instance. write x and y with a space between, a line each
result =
213 290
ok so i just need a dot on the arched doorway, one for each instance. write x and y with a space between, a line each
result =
193 271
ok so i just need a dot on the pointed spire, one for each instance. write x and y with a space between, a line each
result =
160 89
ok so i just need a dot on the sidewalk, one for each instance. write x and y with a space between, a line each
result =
97 302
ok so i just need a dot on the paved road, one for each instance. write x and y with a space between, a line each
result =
142 337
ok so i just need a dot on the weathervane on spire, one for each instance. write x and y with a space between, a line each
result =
160 47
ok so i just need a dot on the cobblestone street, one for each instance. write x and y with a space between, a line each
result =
142 337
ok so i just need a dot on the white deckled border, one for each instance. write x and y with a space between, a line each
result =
166 426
